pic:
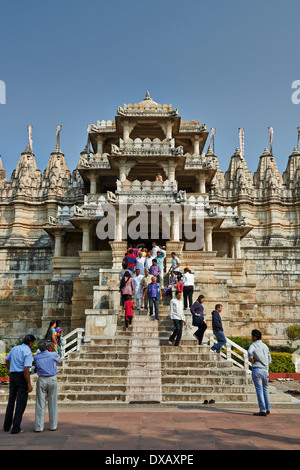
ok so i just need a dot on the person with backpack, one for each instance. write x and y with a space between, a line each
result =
197 310
126 287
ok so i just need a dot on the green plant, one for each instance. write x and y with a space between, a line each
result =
281 362
293 332
3 371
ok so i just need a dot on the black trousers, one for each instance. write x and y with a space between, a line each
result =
200 332
18 394
188 294
177 333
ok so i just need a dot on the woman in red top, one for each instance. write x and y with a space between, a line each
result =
128 307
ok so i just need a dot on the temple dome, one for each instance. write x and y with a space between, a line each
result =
148 101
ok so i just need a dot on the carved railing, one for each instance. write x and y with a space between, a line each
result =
147 147
72 342
233 352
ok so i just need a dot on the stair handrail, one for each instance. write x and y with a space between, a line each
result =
71 345
231 355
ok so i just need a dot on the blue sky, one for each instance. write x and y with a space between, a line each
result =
229 64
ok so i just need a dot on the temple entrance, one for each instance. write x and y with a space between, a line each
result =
146 243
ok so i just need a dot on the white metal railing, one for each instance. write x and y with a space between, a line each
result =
228 352
72 342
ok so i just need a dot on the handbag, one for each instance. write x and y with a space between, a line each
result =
197 321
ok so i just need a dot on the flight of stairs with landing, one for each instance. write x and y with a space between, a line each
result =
139 366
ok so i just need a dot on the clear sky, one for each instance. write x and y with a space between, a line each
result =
229 64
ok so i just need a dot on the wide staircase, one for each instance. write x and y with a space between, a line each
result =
139 366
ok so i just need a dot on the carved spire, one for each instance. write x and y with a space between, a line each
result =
291 176
238 178
3 176
267 176
57 174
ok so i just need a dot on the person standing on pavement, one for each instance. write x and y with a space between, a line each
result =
218 329
18 362
197 310
177 317
260 357
46 387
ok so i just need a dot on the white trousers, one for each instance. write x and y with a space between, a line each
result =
46 391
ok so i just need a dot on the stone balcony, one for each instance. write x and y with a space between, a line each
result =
146 147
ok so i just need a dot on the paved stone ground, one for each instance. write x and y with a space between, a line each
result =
160 428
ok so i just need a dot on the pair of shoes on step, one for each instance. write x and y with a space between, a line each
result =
210 402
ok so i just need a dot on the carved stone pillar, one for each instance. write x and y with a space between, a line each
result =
127 129
200 178
86 237
58 243
93 181
167 128
100 144
236 241
124 168
196 145
118 249
208 238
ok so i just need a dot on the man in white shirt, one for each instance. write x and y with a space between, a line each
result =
188 288
148 260
140 264
138 296
178 319
155 249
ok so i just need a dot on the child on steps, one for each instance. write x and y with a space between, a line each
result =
128 307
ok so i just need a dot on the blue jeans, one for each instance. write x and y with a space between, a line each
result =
154 301
221 341
260 379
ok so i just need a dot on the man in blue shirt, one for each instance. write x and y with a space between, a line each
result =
46 387
18 361
154 296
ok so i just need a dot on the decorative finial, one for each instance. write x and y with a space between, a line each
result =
148 96
58 128
29 147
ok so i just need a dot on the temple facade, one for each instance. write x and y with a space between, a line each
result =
54 263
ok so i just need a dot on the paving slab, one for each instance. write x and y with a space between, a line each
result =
160 428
